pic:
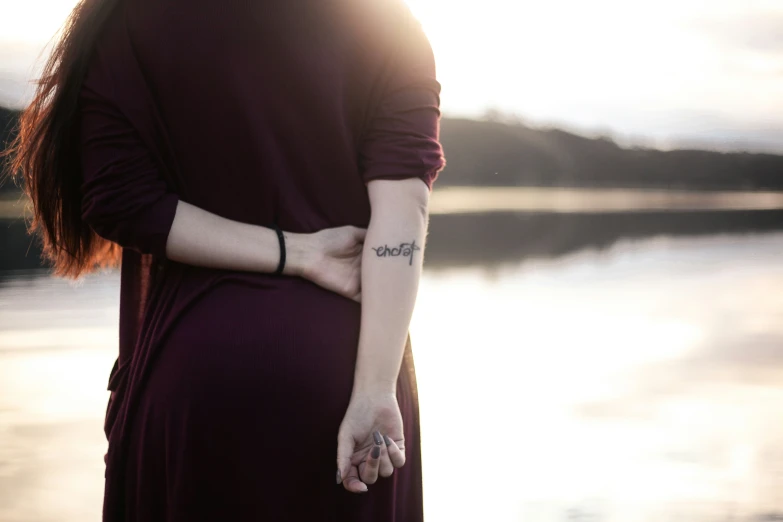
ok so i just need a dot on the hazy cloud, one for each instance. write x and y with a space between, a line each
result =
756 31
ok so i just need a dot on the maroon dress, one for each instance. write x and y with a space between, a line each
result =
230 387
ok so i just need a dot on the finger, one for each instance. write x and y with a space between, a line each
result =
396 454
386 468
345 446
357 297
352 482
369 472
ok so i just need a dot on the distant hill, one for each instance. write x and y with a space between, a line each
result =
7 124
7 120
488 153
485 153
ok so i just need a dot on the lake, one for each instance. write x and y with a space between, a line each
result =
460 200
636 383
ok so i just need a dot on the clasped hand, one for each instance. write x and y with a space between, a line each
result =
370 442
335 260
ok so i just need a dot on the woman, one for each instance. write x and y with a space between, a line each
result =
183 136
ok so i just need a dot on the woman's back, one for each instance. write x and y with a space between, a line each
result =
269 105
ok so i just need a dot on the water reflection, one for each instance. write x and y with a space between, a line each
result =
56 344
639 383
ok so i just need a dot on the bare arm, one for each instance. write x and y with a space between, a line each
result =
399 156
392 261
201 238
391 267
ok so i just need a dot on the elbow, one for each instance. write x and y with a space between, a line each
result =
144 229
406 196
104 223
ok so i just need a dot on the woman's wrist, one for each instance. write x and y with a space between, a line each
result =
300 254
365 387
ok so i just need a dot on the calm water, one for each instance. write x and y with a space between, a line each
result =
459 200
643 383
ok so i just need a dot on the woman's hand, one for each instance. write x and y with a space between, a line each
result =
370 442
335 262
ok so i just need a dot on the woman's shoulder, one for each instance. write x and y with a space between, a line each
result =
112 70
108 53
375 23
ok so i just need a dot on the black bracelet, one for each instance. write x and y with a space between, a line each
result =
281 239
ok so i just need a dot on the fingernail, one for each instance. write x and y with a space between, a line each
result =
387 440
339 477
376 436
376 452
365 490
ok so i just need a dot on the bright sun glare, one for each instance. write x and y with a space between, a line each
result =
32 21
655 69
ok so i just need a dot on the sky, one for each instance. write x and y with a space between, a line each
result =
668 73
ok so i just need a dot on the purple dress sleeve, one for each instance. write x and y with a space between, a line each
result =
125 199
402 140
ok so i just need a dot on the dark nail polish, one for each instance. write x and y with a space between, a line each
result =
376 436
376 452
387 440
339 478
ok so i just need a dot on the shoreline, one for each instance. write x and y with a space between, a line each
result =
495 239
451 200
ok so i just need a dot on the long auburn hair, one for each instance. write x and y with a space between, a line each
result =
45 157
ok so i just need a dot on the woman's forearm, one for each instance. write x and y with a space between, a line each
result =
391 268
201 238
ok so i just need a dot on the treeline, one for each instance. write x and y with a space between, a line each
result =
485 153
8 121
490 153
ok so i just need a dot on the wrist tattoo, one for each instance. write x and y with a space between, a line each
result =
404 250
